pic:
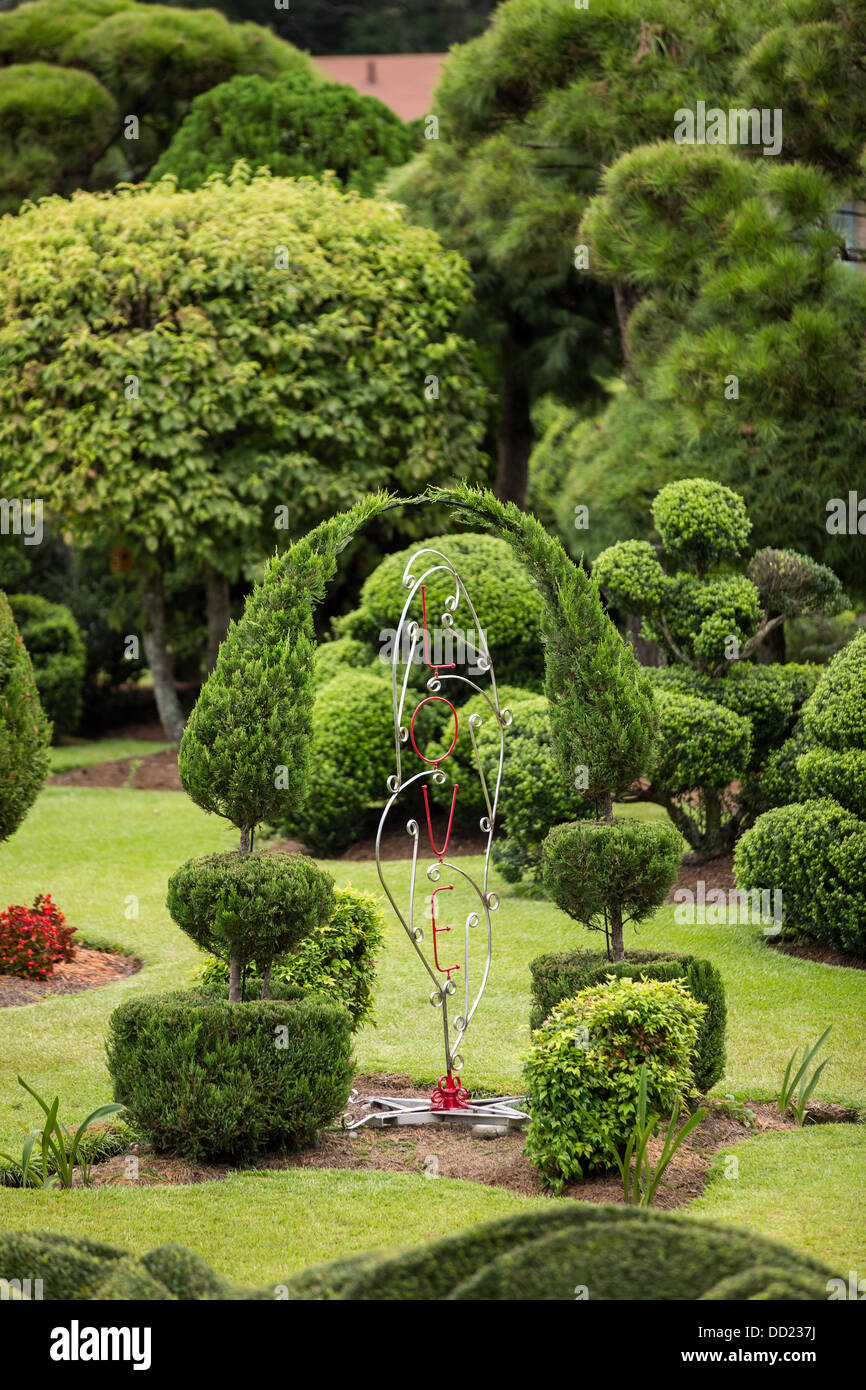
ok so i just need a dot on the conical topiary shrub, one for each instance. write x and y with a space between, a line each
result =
245 755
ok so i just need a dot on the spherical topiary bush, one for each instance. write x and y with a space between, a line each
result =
351 758
508 605
295 124
250 907
53 639
583 1071
701 523
207 1079
24 731
814 852
626 866
700 744
836 712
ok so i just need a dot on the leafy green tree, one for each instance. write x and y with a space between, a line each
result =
199 374
295 125
92 91
25 734
528 116
721 716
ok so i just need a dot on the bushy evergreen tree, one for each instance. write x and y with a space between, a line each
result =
295 125
25 734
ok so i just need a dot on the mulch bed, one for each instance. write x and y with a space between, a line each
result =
156 772
88 970
815 950
451 1152
715 873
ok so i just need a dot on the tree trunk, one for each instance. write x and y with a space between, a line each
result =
614 909
516 435
158 656
772 649
617 950
234 963
626 299
266 981
648 653
218 612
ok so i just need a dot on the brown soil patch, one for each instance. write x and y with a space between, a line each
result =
157 772
88 970
815 950
451 1151
715 873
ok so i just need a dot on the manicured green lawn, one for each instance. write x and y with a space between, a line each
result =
805 1189
259 1227
98 851
67 756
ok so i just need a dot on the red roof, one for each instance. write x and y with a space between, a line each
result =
404 81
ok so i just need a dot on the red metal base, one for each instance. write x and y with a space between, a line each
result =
449 1095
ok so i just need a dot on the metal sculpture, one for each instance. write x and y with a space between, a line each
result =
412 645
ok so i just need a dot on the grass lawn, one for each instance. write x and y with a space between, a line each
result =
102 853
259 1227
805 1189
65 757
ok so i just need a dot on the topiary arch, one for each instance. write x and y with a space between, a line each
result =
245 752
255 710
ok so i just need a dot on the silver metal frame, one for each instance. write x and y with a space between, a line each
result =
501 1109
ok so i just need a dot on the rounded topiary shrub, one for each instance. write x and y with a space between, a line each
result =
24 731
508 605
351 758
626 867
701 523
583 1070
206 1079
250 907
700 744
53 639
814 851
561 975
337 959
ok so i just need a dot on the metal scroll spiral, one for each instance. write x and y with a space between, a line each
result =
411 644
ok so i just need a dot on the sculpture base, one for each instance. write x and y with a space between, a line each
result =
388 1111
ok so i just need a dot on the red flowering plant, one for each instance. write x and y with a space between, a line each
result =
34 939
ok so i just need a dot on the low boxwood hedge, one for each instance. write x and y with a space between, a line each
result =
561 975
207 1079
